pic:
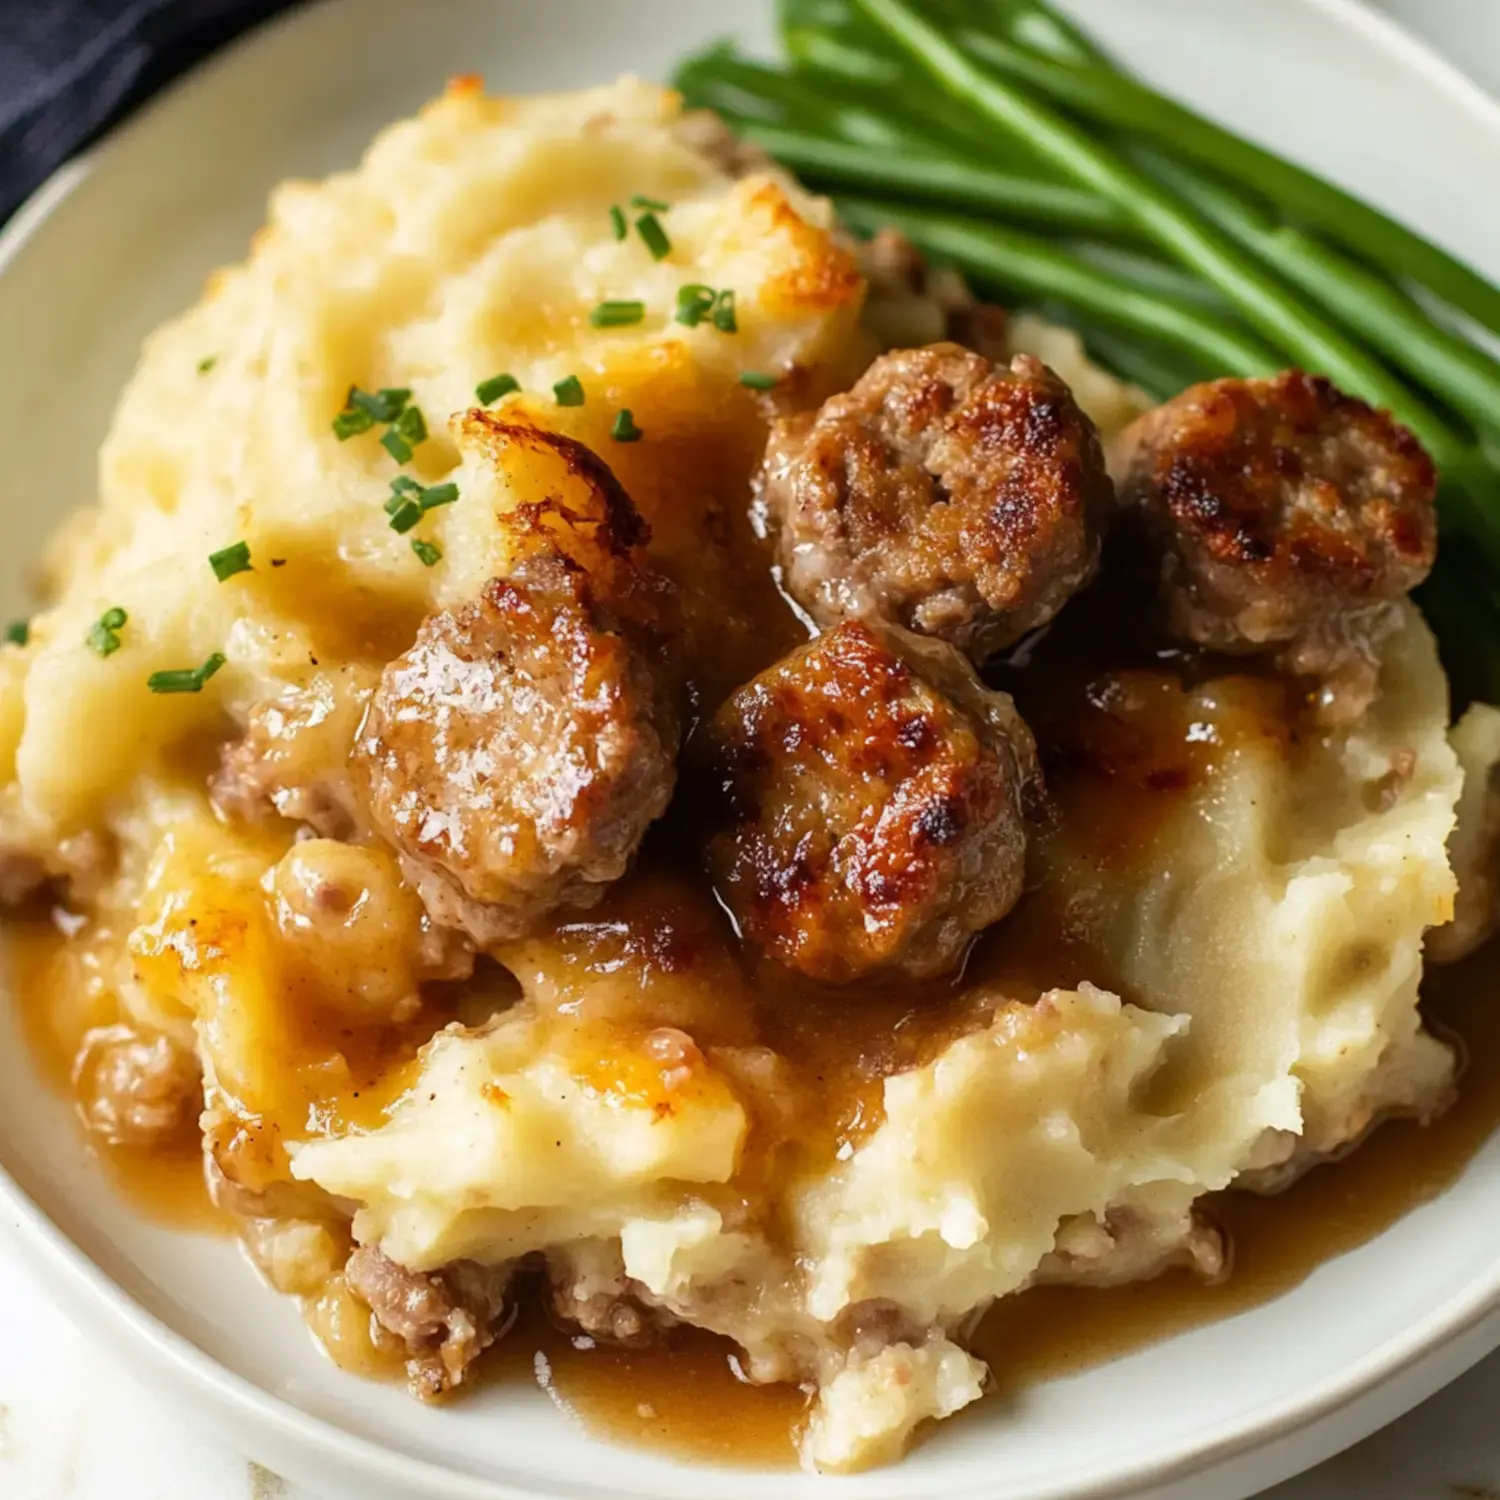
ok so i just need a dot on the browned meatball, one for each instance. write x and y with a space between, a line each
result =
1287 515
868 805
942 493
518 752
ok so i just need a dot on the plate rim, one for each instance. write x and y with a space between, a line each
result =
87 1293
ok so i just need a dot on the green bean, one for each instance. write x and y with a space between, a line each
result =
840 57
1152 274
856 69
824 163
735 86
1038 27
837 105
1037 268
1265 303
1108 97
1453 369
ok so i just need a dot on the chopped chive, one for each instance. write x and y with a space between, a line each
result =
406 515
104 634
207 363
384 406
18 632
569 391
489 391
723 314
429 552
185 679
362 410
640 200
405 433
755 380
396 445
410 501
617 314
694 301
412 425
648 226
617 221
372 406
349 424
625 430
438 494
230 560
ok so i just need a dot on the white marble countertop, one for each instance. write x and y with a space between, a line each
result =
73 1427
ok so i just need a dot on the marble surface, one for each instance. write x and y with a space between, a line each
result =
73 1427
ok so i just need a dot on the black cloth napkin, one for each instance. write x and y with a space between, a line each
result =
70 68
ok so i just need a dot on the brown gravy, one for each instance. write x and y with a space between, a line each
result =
682 1399
59 1002
1117 752
685 1399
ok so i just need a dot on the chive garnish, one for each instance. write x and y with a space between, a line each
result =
405 434
104 633
185 679
429 552
207 363
349 424
230 560
412 425
617 314
438 494
18 632
385 405
625 430
410 501
648 226
569 391
755 380
404 515
617 221
694 302
362 410
640 200
491 390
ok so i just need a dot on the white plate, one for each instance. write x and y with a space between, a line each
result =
124 238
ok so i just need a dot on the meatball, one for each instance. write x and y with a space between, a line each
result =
943 494
868 805
1285 514
516 755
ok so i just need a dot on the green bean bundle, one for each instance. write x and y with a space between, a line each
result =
1000 139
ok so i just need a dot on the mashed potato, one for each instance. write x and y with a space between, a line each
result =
1240 994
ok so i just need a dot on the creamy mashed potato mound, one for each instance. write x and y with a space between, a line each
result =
1243 1002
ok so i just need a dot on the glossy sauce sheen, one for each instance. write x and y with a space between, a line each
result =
685 1398
1119 748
